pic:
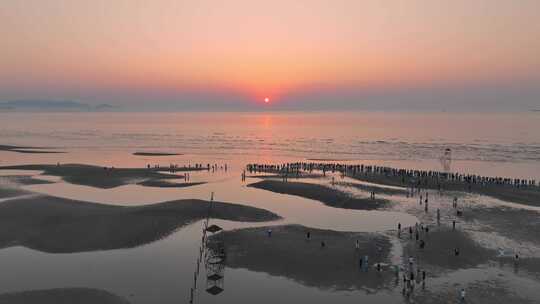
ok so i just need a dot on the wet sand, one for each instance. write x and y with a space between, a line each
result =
516 224
438 254
100 177
294 176
167 184
291 177
62 296
10 192
288 253
492 292
57 225
523 195
486 277
376 189
9 185
30 150
24 180
329 196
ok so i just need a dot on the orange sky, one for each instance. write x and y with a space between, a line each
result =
261 48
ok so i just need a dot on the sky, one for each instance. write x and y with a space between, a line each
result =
303 55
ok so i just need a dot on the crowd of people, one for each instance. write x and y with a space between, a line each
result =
407 176
197 167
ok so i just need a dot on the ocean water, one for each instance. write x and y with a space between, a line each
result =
162 271
489 144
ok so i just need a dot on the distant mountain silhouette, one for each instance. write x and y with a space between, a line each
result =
52 105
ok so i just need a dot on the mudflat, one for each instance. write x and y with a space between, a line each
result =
522 195
58 225
329 196
288 252
101 177
62 296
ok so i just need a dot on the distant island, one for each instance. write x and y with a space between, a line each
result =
52 105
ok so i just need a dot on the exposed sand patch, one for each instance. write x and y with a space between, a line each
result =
489 291
438 254
62 296
30 150
523 195
167 184
328 196
101 177
290 176
376 189
23 180
516 224
9 192
57 225
288 253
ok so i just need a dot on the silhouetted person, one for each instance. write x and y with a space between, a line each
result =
366 262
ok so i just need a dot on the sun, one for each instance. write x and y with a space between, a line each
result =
266 100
